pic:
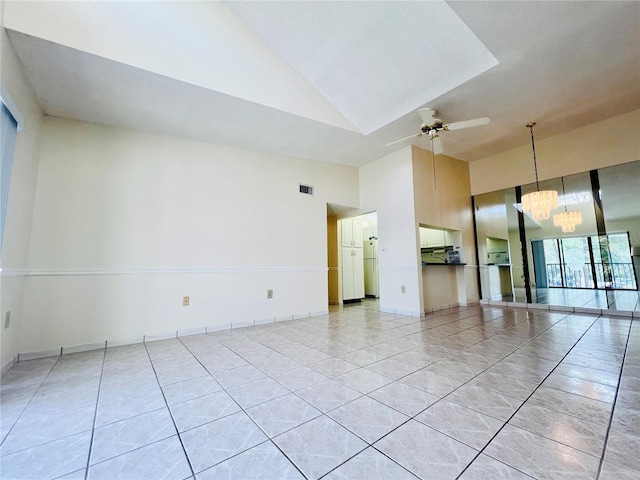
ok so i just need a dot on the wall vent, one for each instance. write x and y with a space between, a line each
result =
306 189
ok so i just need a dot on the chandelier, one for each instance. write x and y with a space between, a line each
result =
539 204
567 220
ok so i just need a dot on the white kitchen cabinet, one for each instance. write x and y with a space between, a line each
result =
351 232
435 238
430 238
352 273
423 237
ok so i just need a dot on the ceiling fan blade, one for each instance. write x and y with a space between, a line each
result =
405 138
436 144
476 122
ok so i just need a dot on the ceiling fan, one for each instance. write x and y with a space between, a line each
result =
432 125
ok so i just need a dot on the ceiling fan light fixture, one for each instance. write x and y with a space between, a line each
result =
539 204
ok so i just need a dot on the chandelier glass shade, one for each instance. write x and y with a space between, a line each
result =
539 204
567 220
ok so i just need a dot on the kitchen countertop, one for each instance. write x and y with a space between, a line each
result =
424 264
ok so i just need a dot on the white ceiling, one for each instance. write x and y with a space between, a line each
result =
362 56
306 78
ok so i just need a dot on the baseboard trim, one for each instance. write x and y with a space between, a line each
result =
9 365
562 308
70 349
408 313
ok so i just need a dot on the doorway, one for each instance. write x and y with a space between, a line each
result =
353 258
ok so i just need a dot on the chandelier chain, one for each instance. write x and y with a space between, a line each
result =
533 147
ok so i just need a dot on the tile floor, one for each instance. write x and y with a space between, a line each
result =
474 392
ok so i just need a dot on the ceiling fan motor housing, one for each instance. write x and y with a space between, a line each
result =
436 127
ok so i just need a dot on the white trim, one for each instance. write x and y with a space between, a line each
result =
408 313
160 336
537 306
174 334
13 272
9 365
86 347
243 324
125 341
265 321
91 272
617 313
588 311
218 328
562 308
52 352
192 331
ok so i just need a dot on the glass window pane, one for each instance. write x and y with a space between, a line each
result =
576 263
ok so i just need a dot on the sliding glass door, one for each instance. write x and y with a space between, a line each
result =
584 262
612 262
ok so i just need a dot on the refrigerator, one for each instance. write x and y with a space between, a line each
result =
370 251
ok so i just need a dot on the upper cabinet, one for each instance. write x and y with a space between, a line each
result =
351 232
430 238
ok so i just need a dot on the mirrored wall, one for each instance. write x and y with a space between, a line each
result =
594 263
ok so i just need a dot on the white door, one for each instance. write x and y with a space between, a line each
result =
358 273
347 274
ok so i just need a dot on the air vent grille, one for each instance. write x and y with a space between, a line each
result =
306 189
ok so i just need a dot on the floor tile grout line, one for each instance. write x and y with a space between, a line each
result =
357 336
527 399
95 413
395 380
169 411
613 407
268 437
29 403
513 351
414 416
303 423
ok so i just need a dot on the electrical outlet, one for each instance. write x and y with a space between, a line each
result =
7 319
403 289
269 293
185 301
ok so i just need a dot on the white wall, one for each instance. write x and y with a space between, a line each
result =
601 144
126 223
386 186
21 196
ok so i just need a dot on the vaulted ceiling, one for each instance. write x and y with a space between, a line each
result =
332 81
